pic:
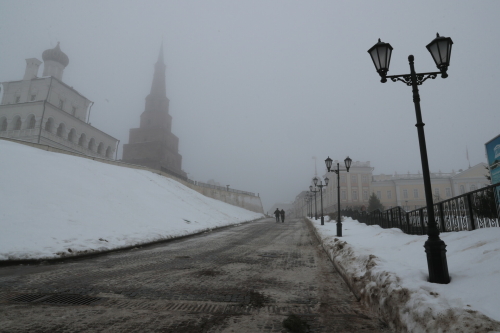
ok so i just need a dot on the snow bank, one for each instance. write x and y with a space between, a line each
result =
55 204
387 269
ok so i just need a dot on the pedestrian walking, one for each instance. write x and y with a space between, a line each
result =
282 216
277 214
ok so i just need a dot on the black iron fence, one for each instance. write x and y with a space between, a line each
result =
469 211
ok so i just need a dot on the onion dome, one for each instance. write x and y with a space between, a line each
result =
56 54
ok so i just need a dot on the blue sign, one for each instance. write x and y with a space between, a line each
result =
493 154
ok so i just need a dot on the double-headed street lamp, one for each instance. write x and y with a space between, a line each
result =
315 205
320 185
440 49
328 163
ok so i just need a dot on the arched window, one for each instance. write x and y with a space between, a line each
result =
92 144
17 123
49 125
60 130
82 140
3 124
100 148
108 152
72 135
31 122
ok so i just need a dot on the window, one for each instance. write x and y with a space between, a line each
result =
17 123
108 152
48 125
3 125
81 141
448 192
389 195
462 189
436 192
71 135
32 122
18 99
100 148
473 187
354 195
92 144
32 98
354 179
342 179
415 193
60 130
343 195
365 195
364 179
379 194
61 104
405 194
73 112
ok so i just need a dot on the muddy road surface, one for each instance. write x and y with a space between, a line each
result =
247 278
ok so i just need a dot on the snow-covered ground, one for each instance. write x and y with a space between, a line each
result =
388 268
55 204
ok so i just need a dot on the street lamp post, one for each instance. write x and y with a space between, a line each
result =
306 200
320 185
315 205
328 163
440 49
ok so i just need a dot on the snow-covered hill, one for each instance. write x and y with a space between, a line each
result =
53 203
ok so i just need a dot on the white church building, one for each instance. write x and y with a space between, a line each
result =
45 110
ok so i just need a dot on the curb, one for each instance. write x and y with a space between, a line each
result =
82 256
338 267
393 306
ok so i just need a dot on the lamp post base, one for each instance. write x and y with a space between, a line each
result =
339 229
436 261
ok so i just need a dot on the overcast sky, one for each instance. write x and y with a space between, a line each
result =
257 88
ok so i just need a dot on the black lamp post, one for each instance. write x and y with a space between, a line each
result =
306 200
328 163
315 205
320 185
440 49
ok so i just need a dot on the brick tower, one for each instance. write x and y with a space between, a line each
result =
153 144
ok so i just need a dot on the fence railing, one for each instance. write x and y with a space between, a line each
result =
469 211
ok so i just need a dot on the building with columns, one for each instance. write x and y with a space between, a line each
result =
404 190
45 110
407 190
355 186
153 144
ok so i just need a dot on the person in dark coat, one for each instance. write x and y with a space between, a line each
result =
282 216
277 214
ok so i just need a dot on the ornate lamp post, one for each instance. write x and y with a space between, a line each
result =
315 205
320 185
328 163
306 200
440 49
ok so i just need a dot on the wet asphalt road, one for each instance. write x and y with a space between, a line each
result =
247 278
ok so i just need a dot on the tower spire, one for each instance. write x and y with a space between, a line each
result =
158 87
160 56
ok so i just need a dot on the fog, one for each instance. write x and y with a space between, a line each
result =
259 88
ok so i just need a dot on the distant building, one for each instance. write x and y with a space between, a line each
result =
153 144
45 110
404 190
407 190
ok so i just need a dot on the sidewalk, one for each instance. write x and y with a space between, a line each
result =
386 269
